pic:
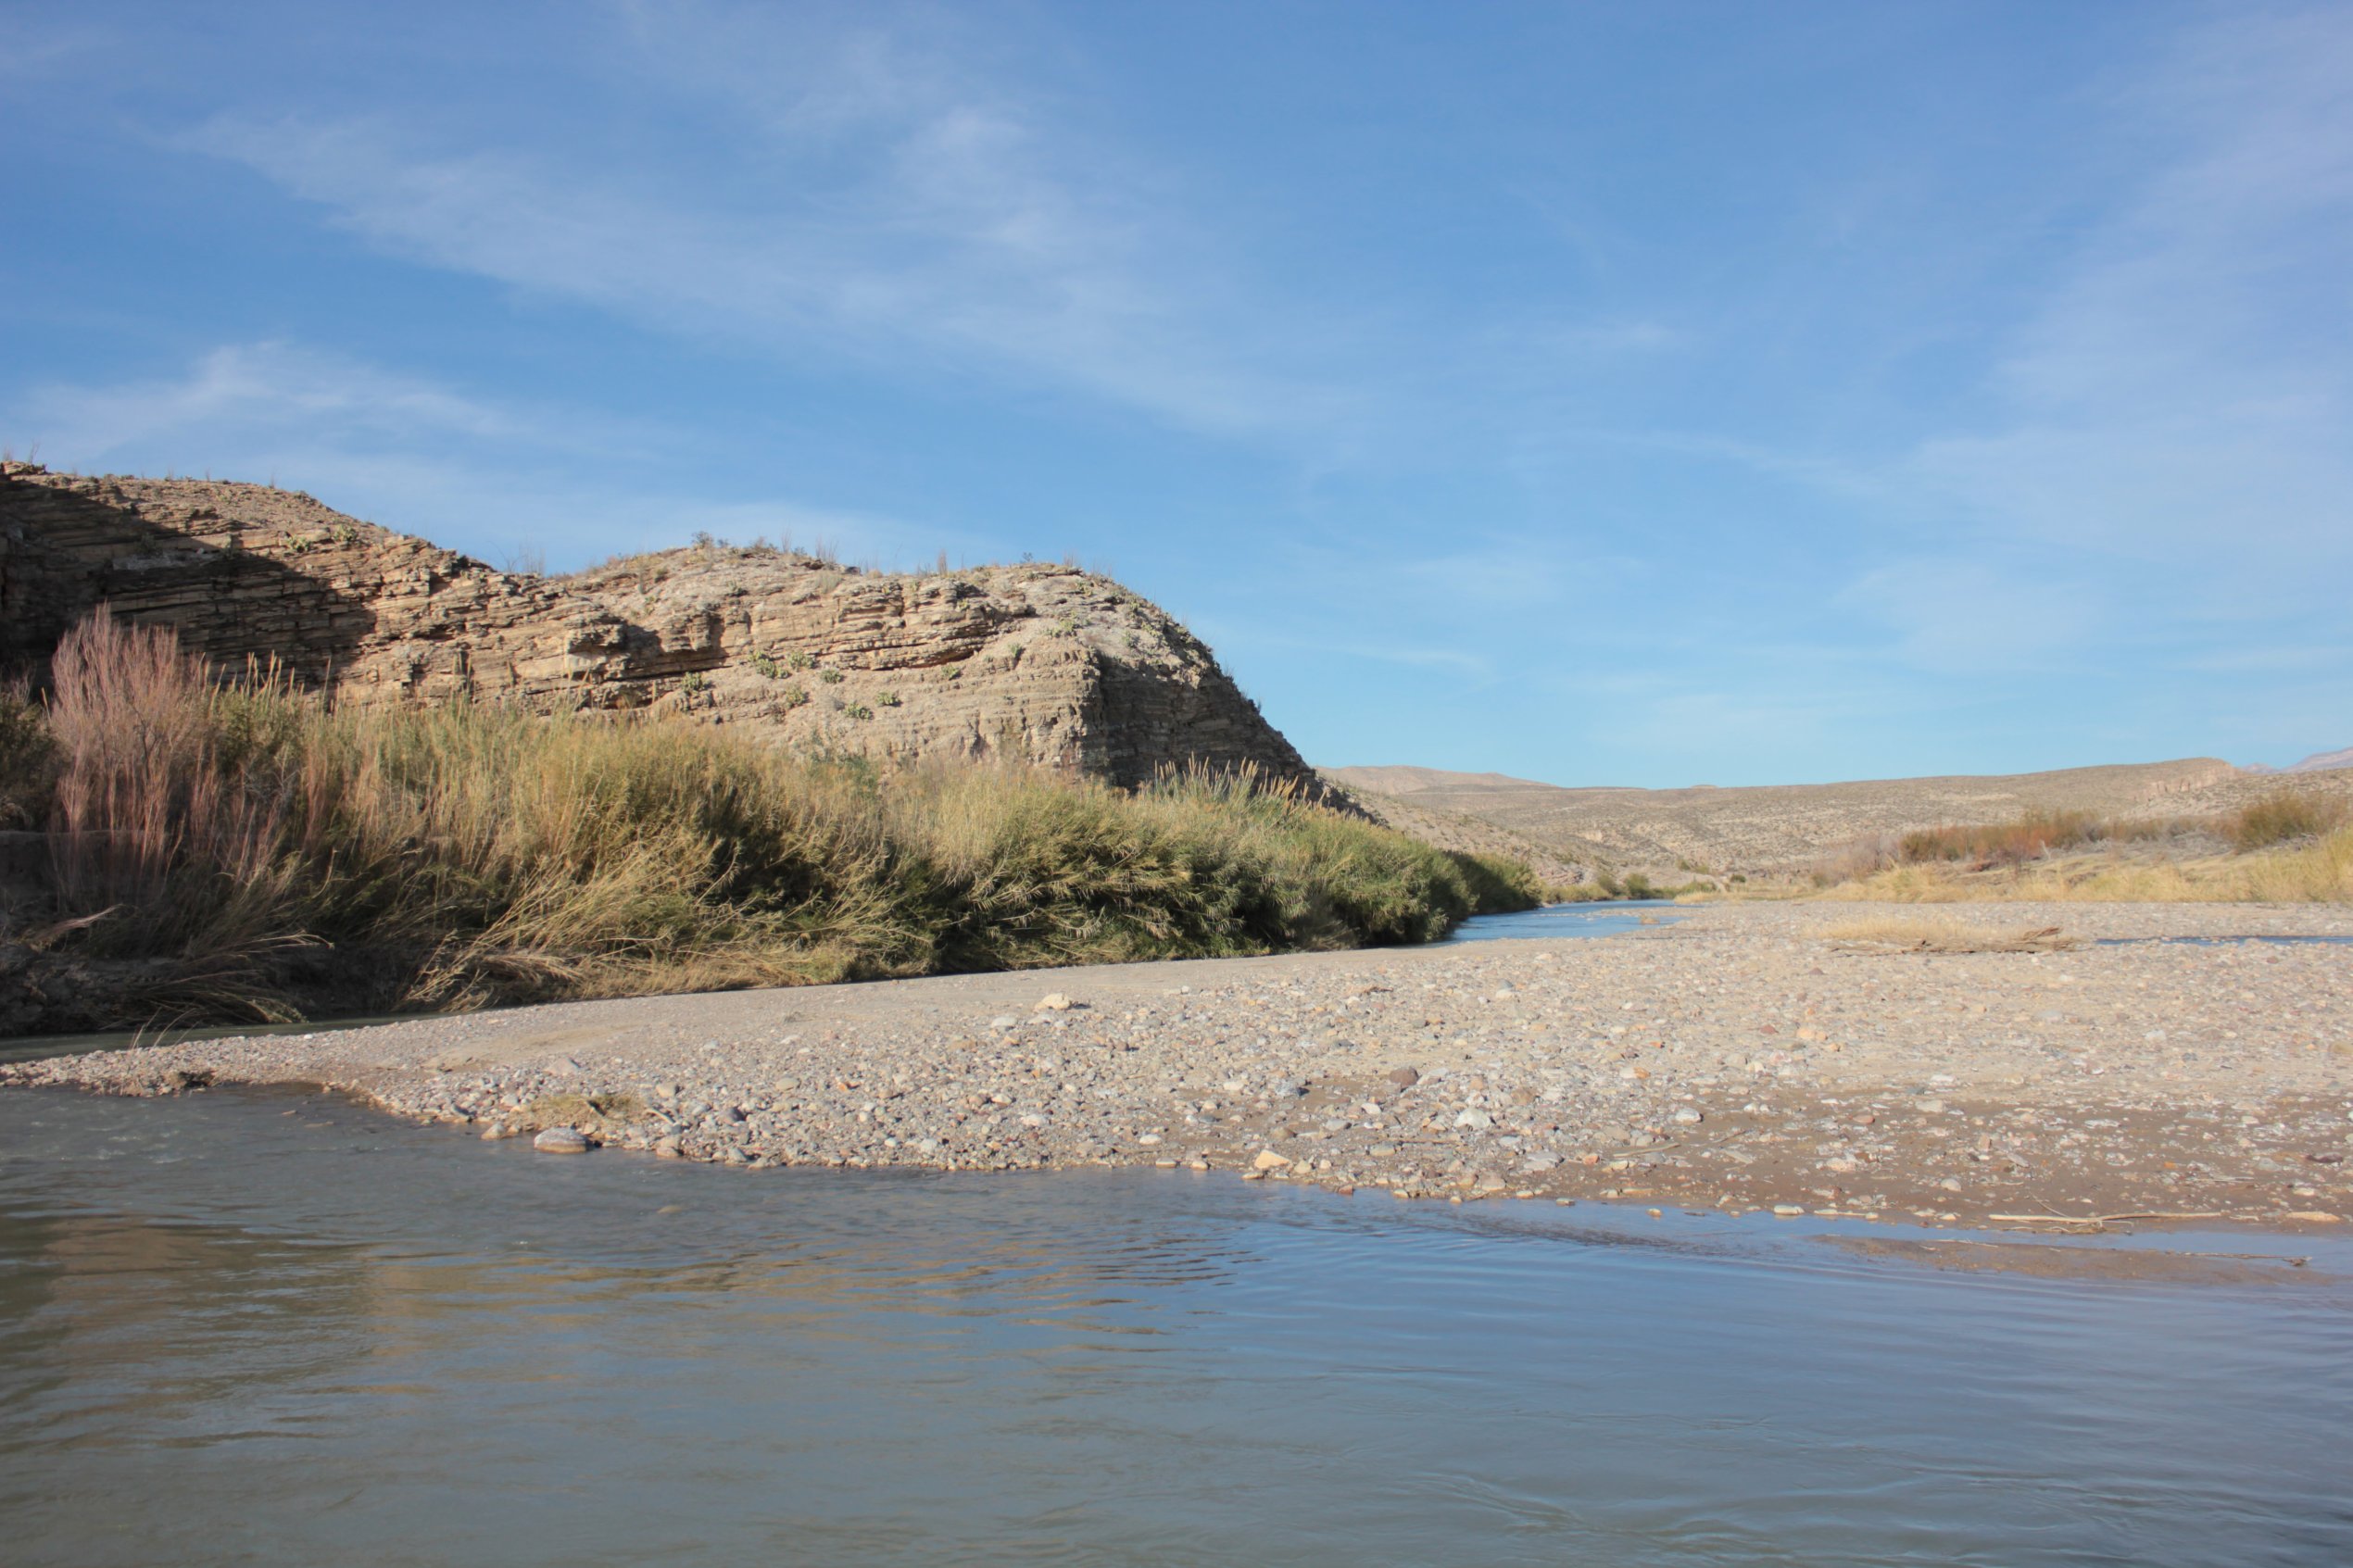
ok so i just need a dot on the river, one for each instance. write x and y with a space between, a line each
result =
273 1327
1556 921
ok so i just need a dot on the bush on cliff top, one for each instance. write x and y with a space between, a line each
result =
278 850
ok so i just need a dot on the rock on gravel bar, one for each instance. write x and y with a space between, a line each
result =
1736 1060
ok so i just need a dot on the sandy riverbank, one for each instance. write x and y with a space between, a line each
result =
1737 1058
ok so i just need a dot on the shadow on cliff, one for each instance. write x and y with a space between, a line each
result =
65 552
1143 726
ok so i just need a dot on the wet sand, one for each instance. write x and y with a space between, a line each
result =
1737 1059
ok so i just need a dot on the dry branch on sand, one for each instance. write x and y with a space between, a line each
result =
1895 934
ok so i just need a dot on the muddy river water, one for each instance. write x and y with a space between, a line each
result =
273 1327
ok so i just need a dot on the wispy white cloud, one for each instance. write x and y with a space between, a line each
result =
1243 637
1968 616
1704 728
1473 575
875 198
44 47
1497 575
2158 455
2181 397
247 392
416 455
2275 658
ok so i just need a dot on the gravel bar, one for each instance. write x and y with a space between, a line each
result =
1736 1060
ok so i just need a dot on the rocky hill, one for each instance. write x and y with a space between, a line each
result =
1040 664
1784 827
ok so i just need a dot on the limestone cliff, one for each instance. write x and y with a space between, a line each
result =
1042 664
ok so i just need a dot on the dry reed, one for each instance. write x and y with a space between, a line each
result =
465 855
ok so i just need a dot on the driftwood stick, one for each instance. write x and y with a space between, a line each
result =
2100 1219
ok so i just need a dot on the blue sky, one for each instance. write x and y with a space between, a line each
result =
1644 394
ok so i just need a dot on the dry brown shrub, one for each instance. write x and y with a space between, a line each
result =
146 819
1864 856
2001 843
2283 818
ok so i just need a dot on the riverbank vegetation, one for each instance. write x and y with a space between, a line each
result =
265 854
1609 886
2293 846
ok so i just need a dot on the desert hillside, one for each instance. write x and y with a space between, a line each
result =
1037 663
2319 763
1784 827
1556 866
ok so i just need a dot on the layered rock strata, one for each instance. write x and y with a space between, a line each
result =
1039 664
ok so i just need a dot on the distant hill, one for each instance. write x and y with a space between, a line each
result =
1402 781
2319 763
1468 834
1784 827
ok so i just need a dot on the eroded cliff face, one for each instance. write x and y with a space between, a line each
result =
1042 664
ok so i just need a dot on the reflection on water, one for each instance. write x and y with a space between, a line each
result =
1568 920
37 1047
270 1329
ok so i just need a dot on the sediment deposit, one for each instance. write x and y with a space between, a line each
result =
1738 1058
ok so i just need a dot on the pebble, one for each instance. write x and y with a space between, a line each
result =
560 1140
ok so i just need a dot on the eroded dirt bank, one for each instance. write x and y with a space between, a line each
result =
1737 1058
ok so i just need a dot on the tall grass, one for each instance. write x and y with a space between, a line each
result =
150 824
287 852
1999 843
2283 818
2286 846
2316 870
